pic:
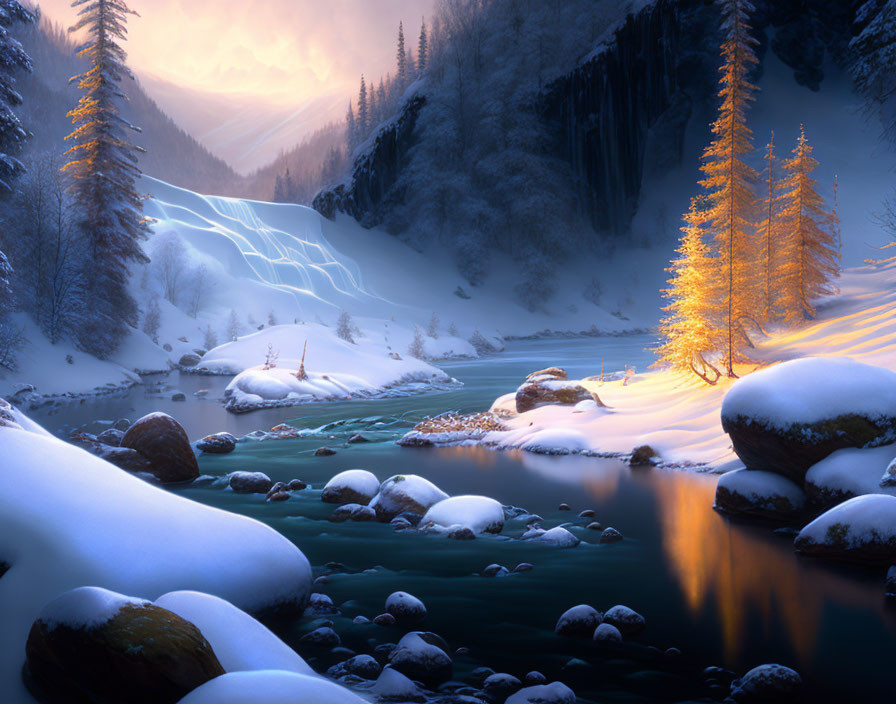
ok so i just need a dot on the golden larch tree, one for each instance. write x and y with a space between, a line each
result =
810 254
688 328
767 231
729 181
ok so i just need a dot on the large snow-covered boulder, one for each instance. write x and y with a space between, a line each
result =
548 389
478 513
850 472
82 521
767 684
553 693
109 647
270 687
405 492
761 494
240 642
164 442
353 486
785 418
407 609
861 529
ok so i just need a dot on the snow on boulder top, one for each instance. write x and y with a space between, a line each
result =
553 693
351 486
812 389
862 524
270 687
478 513
406 492
86 607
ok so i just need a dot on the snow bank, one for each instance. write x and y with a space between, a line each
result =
69 519
478 513
240 642
270 687
812 389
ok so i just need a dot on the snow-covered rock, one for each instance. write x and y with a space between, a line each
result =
419 656
579 621
850 472
406 492
478 513
407 609
787 417
500 685
106 646
546 389
767 683
217 444
240 641
270 687
628 621
391 685
757 493
353 486
364 666
83 521
862 528
557 537
250 482
607 633
553 693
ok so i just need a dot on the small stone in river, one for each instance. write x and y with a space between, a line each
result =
384 620
364 666
122 424
421 656
557 537
357 438
400 523
217 444
111 437
535 677
629 622
461 533
579 621
523 567
343 513
407 609
500 685
179 396
607 633
278 496
495 570
642 456
587 513
363 514
321 604
671 653
767 683
361 620
564 507
324 452
594 525
891 582
323 579
610 535
462 651
324 637
296 485
480 674
278 487
250 482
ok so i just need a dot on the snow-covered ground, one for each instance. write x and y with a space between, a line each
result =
679 416
69 519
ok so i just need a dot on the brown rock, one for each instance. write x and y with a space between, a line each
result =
162 440
142 655
555 372
537 393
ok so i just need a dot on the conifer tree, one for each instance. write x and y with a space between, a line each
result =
401 60
103 168
809 258
767 229
383 108
363 119
689 329
12 58
351 131
728 180
422 49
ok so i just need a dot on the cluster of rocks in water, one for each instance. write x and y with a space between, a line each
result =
816 437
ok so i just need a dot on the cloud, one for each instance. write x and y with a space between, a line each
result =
279 50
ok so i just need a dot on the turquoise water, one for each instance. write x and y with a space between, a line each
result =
724 593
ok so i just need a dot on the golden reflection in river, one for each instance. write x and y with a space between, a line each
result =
476 454
742 573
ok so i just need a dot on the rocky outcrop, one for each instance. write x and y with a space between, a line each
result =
373 186
541 393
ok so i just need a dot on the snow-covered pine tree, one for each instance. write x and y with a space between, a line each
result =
382 106
234 328
767 231
345 327
290 192
729 181
210 339
401 59
417 348
433 330
363 119
809 258
689 328
422 48
12 58
152 319
103 168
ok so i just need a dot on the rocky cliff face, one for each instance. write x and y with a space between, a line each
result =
371 189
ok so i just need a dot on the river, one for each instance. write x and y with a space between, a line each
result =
723 592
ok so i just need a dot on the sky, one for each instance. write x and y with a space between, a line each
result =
280 51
